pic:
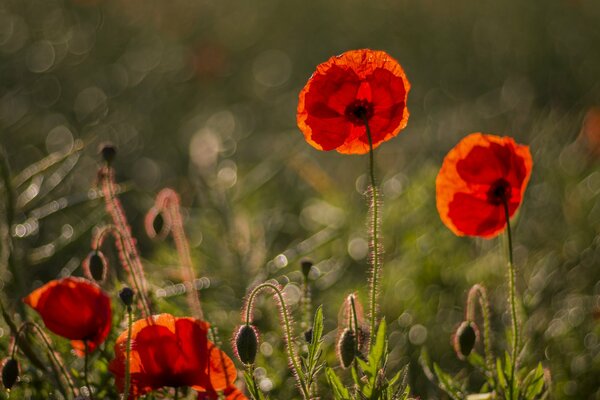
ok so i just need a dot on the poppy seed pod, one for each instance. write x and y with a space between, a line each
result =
306 266
346 348
246 344
10 372
108 151
126 295
465 339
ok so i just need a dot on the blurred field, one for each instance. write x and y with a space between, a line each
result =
201 96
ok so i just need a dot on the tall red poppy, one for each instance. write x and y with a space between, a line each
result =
478 176
73 308
348 92
170 351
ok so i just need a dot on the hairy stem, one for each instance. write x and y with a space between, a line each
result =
54 357
512 277
124 257
168 199
374 231
128 354
479 292
115 210
287 329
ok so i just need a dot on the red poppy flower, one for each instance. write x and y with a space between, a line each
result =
75 309
346 93
170 351
478 176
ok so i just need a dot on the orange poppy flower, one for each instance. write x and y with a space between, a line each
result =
478 175
170 351
73 308
346 93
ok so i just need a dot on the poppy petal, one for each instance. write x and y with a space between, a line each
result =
477 176
326 112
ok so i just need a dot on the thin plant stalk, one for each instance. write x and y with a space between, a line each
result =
512 277
168 200
85 369
128 354
479 292
287 326
115 210
54 357
124 257
374 231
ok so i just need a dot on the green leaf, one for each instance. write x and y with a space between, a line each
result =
448 384
379 348
501 378
339 390
534 383
313 348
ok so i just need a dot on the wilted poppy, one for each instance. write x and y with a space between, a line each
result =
349 92
172 352
73 308
479 176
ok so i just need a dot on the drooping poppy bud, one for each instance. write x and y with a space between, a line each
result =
126 295
108 151
246 344
95 267
346 348
465 338
10 372
306 266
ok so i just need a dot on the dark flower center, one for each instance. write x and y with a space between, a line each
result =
499 192
359 111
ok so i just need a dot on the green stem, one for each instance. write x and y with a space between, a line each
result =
374 240
287 330
85 369
128 353
513 302
176 394
59 366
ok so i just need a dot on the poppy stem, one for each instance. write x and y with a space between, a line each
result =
54 357
176 394
168 200
478 291
374 231
128 354
124 257
287 326
513 302
85 370
131 254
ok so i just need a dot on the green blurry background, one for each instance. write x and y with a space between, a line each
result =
200 96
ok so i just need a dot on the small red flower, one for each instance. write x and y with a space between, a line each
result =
346 93
478 176
174 352
75 309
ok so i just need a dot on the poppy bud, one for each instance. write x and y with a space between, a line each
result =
108 151
126 296
306 265
95 266
465 338
346 348
308 335
10 372
246 344
158 223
